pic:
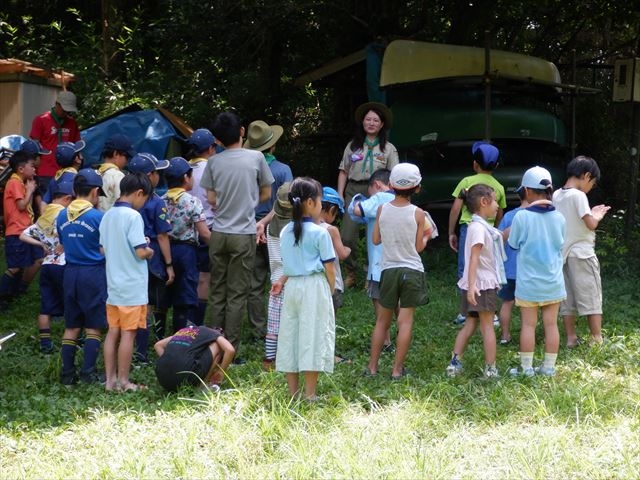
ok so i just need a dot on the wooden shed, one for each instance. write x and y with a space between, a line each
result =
26 90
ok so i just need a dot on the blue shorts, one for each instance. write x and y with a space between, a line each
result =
20 254
85 296
204 264
51 290
184 290
508 291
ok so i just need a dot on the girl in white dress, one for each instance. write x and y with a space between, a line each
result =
306 340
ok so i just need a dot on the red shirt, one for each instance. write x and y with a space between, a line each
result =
15 219
49 133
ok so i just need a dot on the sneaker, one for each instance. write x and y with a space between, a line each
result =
496 321
238 361
454 368
504 342
47 350
459 320
546 371
68 378
490 371
527 372
388 348
92 376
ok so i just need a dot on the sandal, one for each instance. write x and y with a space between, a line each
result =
337 360
403 374
132 387
369 373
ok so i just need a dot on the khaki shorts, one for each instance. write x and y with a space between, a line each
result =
584 289
127 318
402 285
487 302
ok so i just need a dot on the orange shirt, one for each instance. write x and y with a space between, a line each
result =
15 220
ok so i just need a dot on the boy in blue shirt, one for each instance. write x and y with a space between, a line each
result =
126 251
69 158
156 229
85 281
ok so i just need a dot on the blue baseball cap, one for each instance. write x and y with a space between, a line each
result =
329 195
177 168
121 143
489 153
201 139
146 163
66 152
92 179
65 188
33 147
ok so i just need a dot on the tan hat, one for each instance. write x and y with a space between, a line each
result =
262 136
67 101
282 209
387 115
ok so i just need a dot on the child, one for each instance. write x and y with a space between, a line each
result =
23 260
85 281
507 292
156 228
306 339
188 226
115 155
236 180
400 228
191 356
203 147
276 221
69 158
332 204
581 266
43 234
485 160
367 208
538 232
126 251
482 277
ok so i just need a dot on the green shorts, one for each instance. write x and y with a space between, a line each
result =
404 287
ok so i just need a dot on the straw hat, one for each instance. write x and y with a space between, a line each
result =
261 136
387 115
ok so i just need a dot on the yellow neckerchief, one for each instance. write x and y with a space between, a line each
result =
106 166
29 208
195 161
47 220
60 172
173 194
77 208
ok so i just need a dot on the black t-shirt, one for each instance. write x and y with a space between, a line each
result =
187 358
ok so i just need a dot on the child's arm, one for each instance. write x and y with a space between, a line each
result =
499 215
261 226
228 352
454 214
330 272
165 250
27 237
474 258
144 252
30 187
421 235
597 213
278 285
203 232
376 238
342 251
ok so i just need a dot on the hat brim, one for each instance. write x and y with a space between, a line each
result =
277 133
362 110
162 164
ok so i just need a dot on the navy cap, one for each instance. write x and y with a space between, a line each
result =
66 152
33 147
146 163
201 139
329 195
65 188
93 179
120 143
178 167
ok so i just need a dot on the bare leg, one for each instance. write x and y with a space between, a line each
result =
595 327
465 333
550 324
506 310
109 350
383 322
29 273
376 311
125 353
488 337
293 383
310 384
570 330
529 316
403 339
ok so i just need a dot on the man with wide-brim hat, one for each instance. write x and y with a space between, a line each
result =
263 137
368 151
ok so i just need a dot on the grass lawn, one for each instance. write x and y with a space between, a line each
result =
584 423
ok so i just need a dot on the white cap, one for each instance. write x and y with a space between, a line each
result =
536 177
405 176
67 101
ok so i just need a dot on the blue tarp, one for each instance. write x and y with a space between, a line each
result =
148 130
